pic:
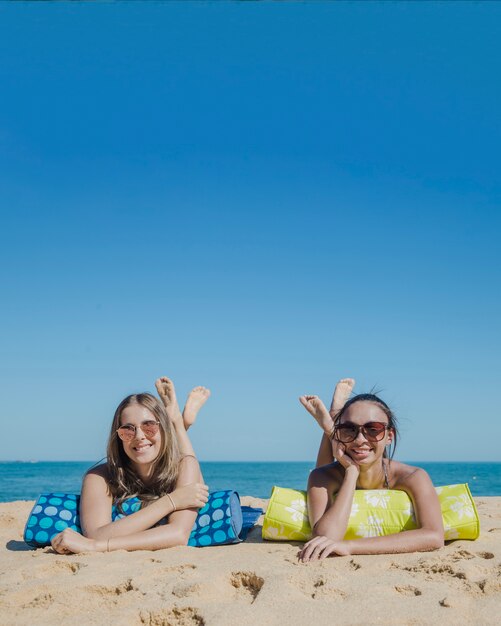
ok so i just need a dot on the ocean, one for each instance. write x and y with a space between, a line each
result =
25 481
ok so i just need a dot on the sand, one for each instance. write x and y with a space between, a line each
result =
254 582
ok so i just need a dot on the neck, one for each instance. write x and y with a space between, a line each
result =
372 477
144 472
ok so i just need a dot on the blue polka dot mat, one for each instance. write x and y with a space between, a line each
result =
221 521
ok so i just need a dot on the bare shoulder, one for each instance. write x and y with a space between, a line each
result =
328 476
97 477
408 478
419 487
96 499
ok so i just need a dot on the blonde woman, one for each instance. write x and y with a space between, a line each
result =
149 456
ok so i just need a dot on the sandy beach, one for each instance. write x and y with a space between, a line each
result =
254 582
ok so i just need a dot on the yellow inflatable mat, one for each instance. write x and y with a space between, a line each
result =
374 513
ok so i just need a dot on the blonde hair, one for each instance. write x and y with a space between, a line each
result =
124 482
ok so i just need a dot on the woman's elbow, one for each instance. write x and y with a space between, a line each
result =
324 529
318 529
97 532
91 533
183 538
438 540
179 536
435 540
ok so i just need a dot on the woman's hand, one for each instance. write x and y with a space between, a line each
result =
71 542
193 496
339 452
320 548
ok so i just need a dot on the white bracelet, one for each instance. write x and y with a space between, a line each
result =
172 502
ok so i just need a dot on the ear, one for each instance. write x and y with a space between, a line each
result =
391 435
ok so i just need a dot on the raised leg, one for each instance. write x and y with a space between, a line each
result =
341 394
167 393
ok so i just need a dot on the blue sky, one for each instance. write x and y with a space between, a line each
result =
257 197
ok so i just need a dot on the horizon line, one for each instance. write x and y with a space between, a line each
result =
35 461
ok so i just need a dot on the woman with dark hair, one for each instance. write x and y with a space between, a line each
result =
149 456
354 453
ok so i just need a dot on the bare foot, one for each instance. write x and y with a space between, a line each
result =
196 399
167 393
316 407
341 394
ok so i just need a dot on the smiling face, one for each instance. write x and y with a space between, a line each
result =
361 450
144 453
142 449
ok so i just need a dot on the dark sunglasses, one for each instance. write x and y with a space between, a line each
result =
128 431
372 431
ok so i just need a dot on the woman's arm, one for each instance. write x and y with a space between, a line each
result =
96 503
177 531
132 536
429 535
328 516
